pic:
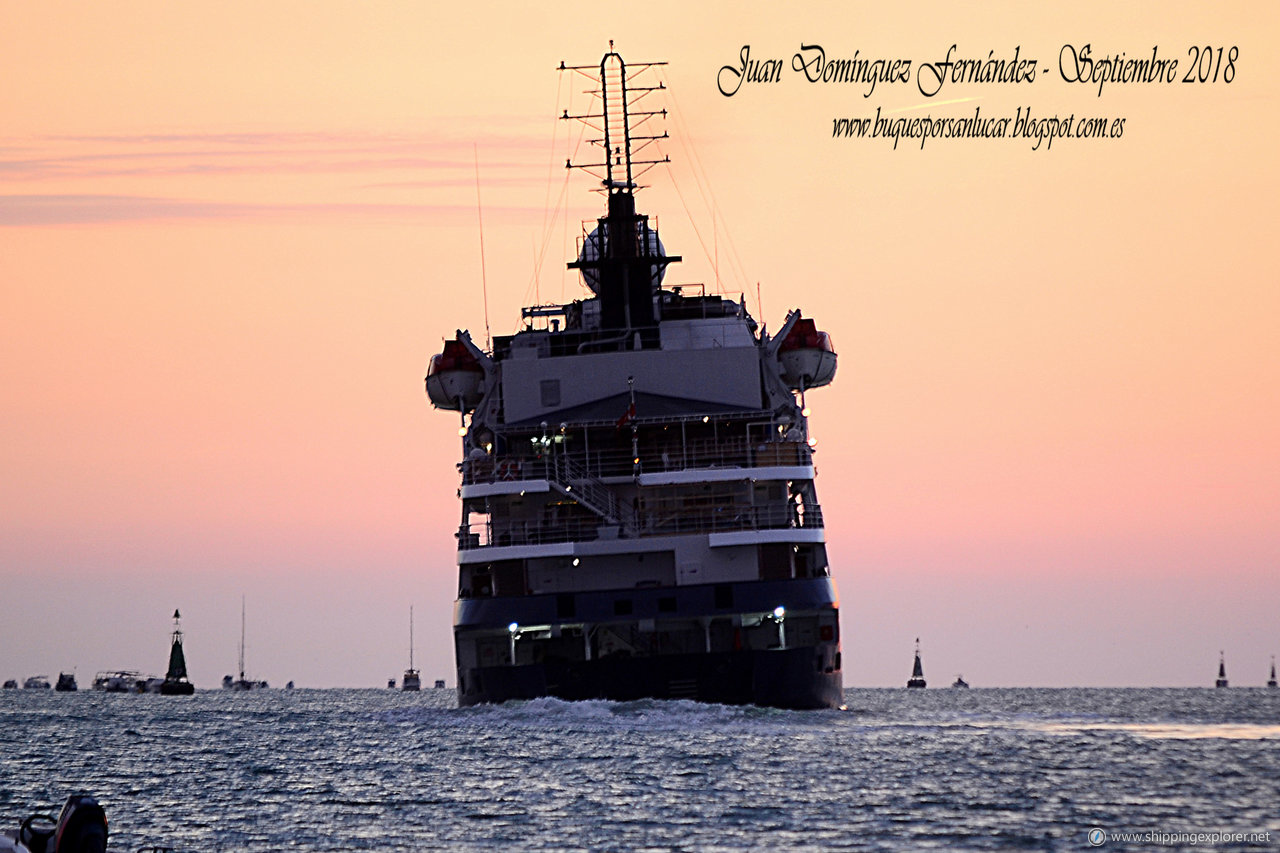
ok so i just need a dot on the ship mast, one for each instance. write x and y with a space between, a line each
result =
242 638
624 252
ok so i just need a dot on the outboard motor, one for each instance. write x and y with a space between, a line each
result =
82 826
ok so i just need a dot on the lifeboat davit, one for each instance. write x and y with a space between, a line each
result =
454 378
806 356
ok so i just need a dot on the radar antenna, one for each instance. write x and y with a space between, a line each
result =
615 121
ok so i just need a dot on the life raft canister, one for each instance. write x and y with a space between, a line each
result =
454 378
806 356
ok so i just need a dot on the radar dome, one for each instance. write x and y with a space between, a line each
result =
597 243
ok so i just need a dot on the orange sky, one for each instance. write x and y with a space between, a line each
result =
232 234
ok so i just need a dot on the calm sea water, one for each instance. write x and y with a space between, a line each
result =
384 770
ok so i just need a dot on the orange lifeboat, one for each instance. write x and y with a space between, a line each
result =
806 356
454 378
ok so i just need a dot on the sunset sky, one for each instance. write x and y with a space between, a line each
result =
232 234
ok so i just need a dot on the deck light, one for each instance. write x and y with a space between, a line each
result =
576 561
514 630
780 613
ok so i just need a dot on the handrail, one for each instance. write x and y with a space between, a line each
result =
590 468
716 520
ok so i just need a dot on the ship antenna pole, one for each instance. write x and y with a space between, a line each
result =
484 282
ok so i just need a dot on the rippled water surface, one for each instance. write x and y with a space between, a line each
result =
384 770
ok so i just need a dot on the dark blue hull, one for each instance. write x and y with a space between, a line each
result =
774 678
736 668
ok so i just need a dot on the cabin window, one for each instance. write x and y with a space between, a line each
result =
775 561
508 577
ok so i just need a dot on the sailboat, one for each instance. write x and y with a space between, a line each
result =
175 681
411 680
1222 671
917 671
1271 682
241 683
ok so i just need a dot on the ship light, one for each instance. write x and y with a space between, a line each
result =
513 627
812 442
705 419
462 431
576 561
779 612
805 411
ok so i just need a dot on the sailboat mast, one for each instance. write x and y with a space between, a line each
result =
410 636
242 638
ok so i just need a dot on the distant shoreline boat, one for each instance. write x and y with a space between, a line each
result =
1271 682
36 682
66 683
917 671
1222 671
960 683
411 679
126 681
242 683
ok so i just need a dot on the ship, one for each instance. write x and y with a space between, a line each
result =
639 516
412 681
1222 671
175 681
917 671
66 683
1271 682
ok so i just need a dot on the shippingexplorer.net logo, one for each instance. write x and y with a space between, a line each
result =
1098 837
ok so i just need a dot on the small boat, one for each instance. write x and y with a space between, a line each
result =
11 684
391 684
81 827
66 683
440 683
175 681
119 681
36 682
960 683
241 683
289 686
1222 671
411 679
1271 682
917 671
